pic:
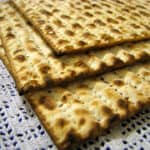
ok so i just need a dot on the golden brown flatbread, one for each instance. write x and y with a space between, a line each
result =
79 25
82 110
34 65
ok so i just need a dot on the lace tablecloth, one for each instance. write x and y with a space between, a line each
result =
20 129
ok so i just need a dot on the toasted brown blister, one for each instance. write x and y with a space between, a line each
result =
34 65
84 109
82 25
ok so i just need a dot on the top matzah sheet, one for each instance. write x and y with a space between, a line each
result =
34 65
85 109
78 25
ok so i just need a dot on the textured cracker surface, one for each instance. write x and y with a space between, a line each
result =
84 109
2 52
3 56
34 65
79 25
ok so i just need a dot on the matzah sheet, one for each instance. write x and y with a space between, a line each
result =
34 65
80 25
85 109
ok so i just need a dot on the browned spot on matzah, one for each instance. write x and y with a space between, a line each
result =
118 82
76 26
65 17
1 18
49 103
122 103
107 37
115 31
81 43
45 12
106 110
20 58
121 18
41 22
82 121
10 35
61 122
70 33
62 41
91 25
112 20
99 22
81 112
44 68
88 35
88 14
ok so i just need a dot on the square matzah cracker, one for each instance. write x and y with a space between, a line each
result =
34 65
82 110
78 25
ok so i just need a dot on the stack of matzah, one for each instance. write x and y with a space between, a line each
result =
71 107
